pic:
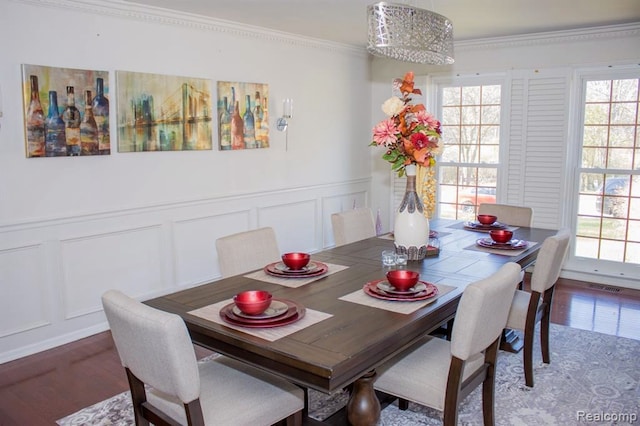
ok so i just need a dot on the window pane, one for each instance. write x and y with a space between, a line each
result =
609 197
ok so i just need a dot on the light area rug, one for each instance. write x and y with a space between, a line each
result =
593 379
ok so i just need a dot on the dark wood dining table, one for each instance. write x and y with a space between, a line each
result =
344 349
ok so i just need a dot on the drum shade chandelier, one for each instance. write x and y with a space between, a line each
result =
409 34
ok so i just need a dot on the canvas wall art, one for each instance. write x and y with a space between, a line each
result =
163 112
66 111
243 115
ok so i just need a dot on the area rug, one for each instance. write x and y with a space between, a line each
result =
593 379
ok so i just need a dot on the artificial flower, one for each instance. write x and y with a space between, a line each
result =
410 135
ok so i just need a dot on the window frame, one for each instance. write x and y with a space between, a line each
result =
577 266
435 87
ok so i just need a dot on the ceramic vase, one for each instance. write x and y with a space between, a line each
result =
411 227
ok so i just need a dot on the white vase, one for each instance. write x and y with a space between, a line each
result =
411 227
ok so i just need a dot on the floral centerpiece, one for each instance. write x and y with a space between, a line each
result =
411 138
410 134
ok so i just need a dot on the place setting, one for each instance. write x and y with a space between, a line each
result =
296 265
401 285
258 309
485 223
501 241
258 313
295 269
401 291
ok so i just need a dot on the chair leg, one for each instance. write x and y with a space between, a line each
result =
295 419
403 404
527 354
489 384
544 337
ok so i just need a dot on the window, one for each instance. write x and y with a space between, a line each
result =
468 170
608 219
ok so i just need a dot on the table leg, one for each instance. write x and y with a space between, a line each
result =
363 408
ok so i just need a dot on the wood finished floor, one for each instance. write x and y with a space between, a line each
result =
42 388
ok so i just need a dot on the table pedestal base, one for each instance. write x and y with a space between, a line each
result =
363 408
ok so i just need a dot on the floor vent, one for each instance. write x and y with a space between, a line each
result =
604 288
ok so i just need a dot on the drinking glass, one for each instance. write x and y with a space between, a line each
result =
388 257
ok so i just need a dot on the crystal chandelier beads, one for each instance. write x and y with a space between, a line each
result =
409 34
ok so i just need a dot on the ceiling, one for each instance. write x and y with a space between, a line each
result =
344 21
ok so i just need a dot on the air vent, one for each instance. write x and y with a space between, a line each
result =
604 288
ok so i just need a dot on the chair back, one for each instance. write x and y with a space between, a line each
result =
549 261
507 214
353 225
247 251
483 311
154 345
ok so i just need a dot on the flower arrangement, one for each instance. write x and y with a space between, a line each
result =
410 134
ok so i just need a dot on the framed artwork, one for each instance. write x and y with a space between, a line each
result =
66 111
162 112
243 115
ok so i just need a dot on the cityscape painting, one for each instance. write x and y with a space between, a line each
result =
66 111
243 115
162 112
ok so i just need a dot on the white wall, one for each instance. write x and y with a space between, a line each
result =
146 223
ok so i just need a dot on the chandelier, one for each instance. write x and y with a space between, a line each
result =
409 34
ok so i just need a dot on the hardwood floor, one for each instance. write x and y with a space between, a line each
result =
39 389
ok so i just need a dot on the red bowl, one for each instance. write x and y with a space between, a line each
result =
402 279
296 261
501 235
253 302
487 219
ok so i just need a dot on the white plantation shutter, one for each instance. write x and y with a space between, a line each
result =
537 145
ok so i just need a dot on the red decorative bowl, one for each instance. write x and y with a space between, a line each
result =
487 219
402 279
296 261
253 302
501 235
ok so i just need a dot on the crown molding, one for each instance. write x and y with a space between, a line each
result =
125 10
552 37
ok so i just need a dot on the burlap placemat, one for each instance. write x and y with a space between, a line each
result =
402 307
212 313
294 282
502 252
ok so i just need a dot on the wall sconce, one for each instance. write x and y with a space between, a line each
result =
287 113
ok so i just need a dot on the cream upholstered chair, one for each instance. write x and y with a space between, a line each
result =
529 308
438 373
168 385
353 225
509 215
245 251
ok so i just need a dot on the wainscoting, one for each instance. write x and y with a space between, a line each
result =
57 269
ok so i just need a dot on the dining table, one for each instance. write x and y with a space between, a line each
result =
342 333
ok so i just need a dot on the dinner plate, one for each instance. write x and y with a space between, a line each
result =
272 269
386 287
477 226
510 245
310 268
294 312
371 289
276 309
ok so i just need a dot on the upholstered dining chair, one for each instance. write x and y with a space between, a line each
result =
440 373
508 214
353 225
169 387
245 251
529 308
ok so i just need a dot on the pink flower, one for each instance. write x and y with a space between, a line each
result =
427 120
385 133
419 140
